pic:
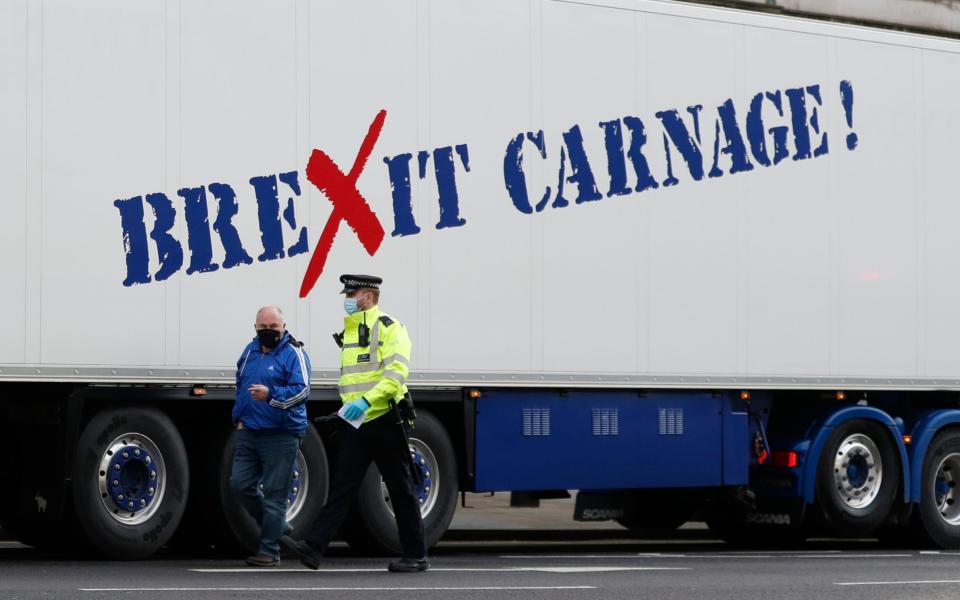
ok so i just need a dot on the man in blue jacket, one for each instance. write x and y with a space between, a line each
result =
270 414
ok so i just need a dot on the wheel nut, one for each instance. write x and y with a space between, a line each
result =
143 502
116 467
296 474
151 491
148 460
120 497
136 452
153 474
129 504
126 455
295 490
116 483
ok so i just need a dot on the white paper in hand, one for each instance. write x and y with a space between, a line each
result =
356 422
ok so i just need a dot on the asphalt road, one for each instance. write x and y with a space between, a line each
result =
558 568
495 552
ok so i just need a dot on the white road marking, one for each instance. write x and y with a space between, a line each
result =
343 589
576 556
917 582
717 556
573 569
831 556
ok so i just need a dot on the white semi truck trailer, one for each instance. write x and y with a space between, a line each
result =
692 262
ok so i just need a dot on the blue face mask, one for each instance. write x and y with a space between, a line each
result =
350 305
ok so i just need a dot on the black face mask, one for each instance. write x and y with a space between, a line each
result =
269 338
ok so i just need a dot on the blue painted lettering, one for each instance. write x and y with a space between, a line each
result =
198 230
514 177
399 169
134 240
168 248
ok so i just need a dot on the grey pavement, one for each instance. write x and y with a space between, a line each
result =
497 570
497 552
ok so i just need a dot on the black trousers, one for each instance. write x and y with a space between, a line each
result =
381 441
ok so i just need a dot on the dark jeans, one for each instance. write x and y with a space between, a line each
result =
381 441
266 456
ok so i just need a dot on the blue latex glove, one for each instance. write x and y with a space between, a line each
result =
356 408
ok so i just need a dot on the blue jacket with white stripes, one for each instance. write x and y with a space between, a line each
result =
285 370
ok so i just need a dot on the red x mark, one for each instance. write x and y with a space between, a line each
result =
348 204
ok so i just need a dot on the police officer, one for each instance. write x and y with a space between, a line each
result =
375 360
270 414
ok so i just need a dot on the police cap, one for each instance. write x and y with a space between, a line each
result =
352 283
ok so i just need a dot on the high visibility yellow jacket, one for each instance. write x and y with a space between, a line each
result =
379 370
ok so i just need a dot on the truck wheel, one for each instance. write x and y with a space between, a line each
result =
371 528
939 507
308 492
857 478
130 481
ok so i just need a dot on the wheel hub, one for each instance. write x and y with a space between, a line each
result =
427 491
299 483
945 489
131 478
857 471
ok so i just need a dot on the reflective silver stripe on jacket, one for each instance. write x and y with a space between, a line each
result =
372 365
345 346
394 375
360 368
395 358
375 338
358 387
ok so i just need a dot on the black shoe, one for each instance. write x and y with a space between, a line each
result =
262 560
409 565
304 551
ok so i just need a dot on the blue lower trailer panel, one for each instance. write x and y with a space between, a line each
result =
599 439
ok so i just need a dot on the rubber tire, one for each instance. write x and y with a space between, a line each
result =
117 540
838 518
930 524
371 529
243 530
203 525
